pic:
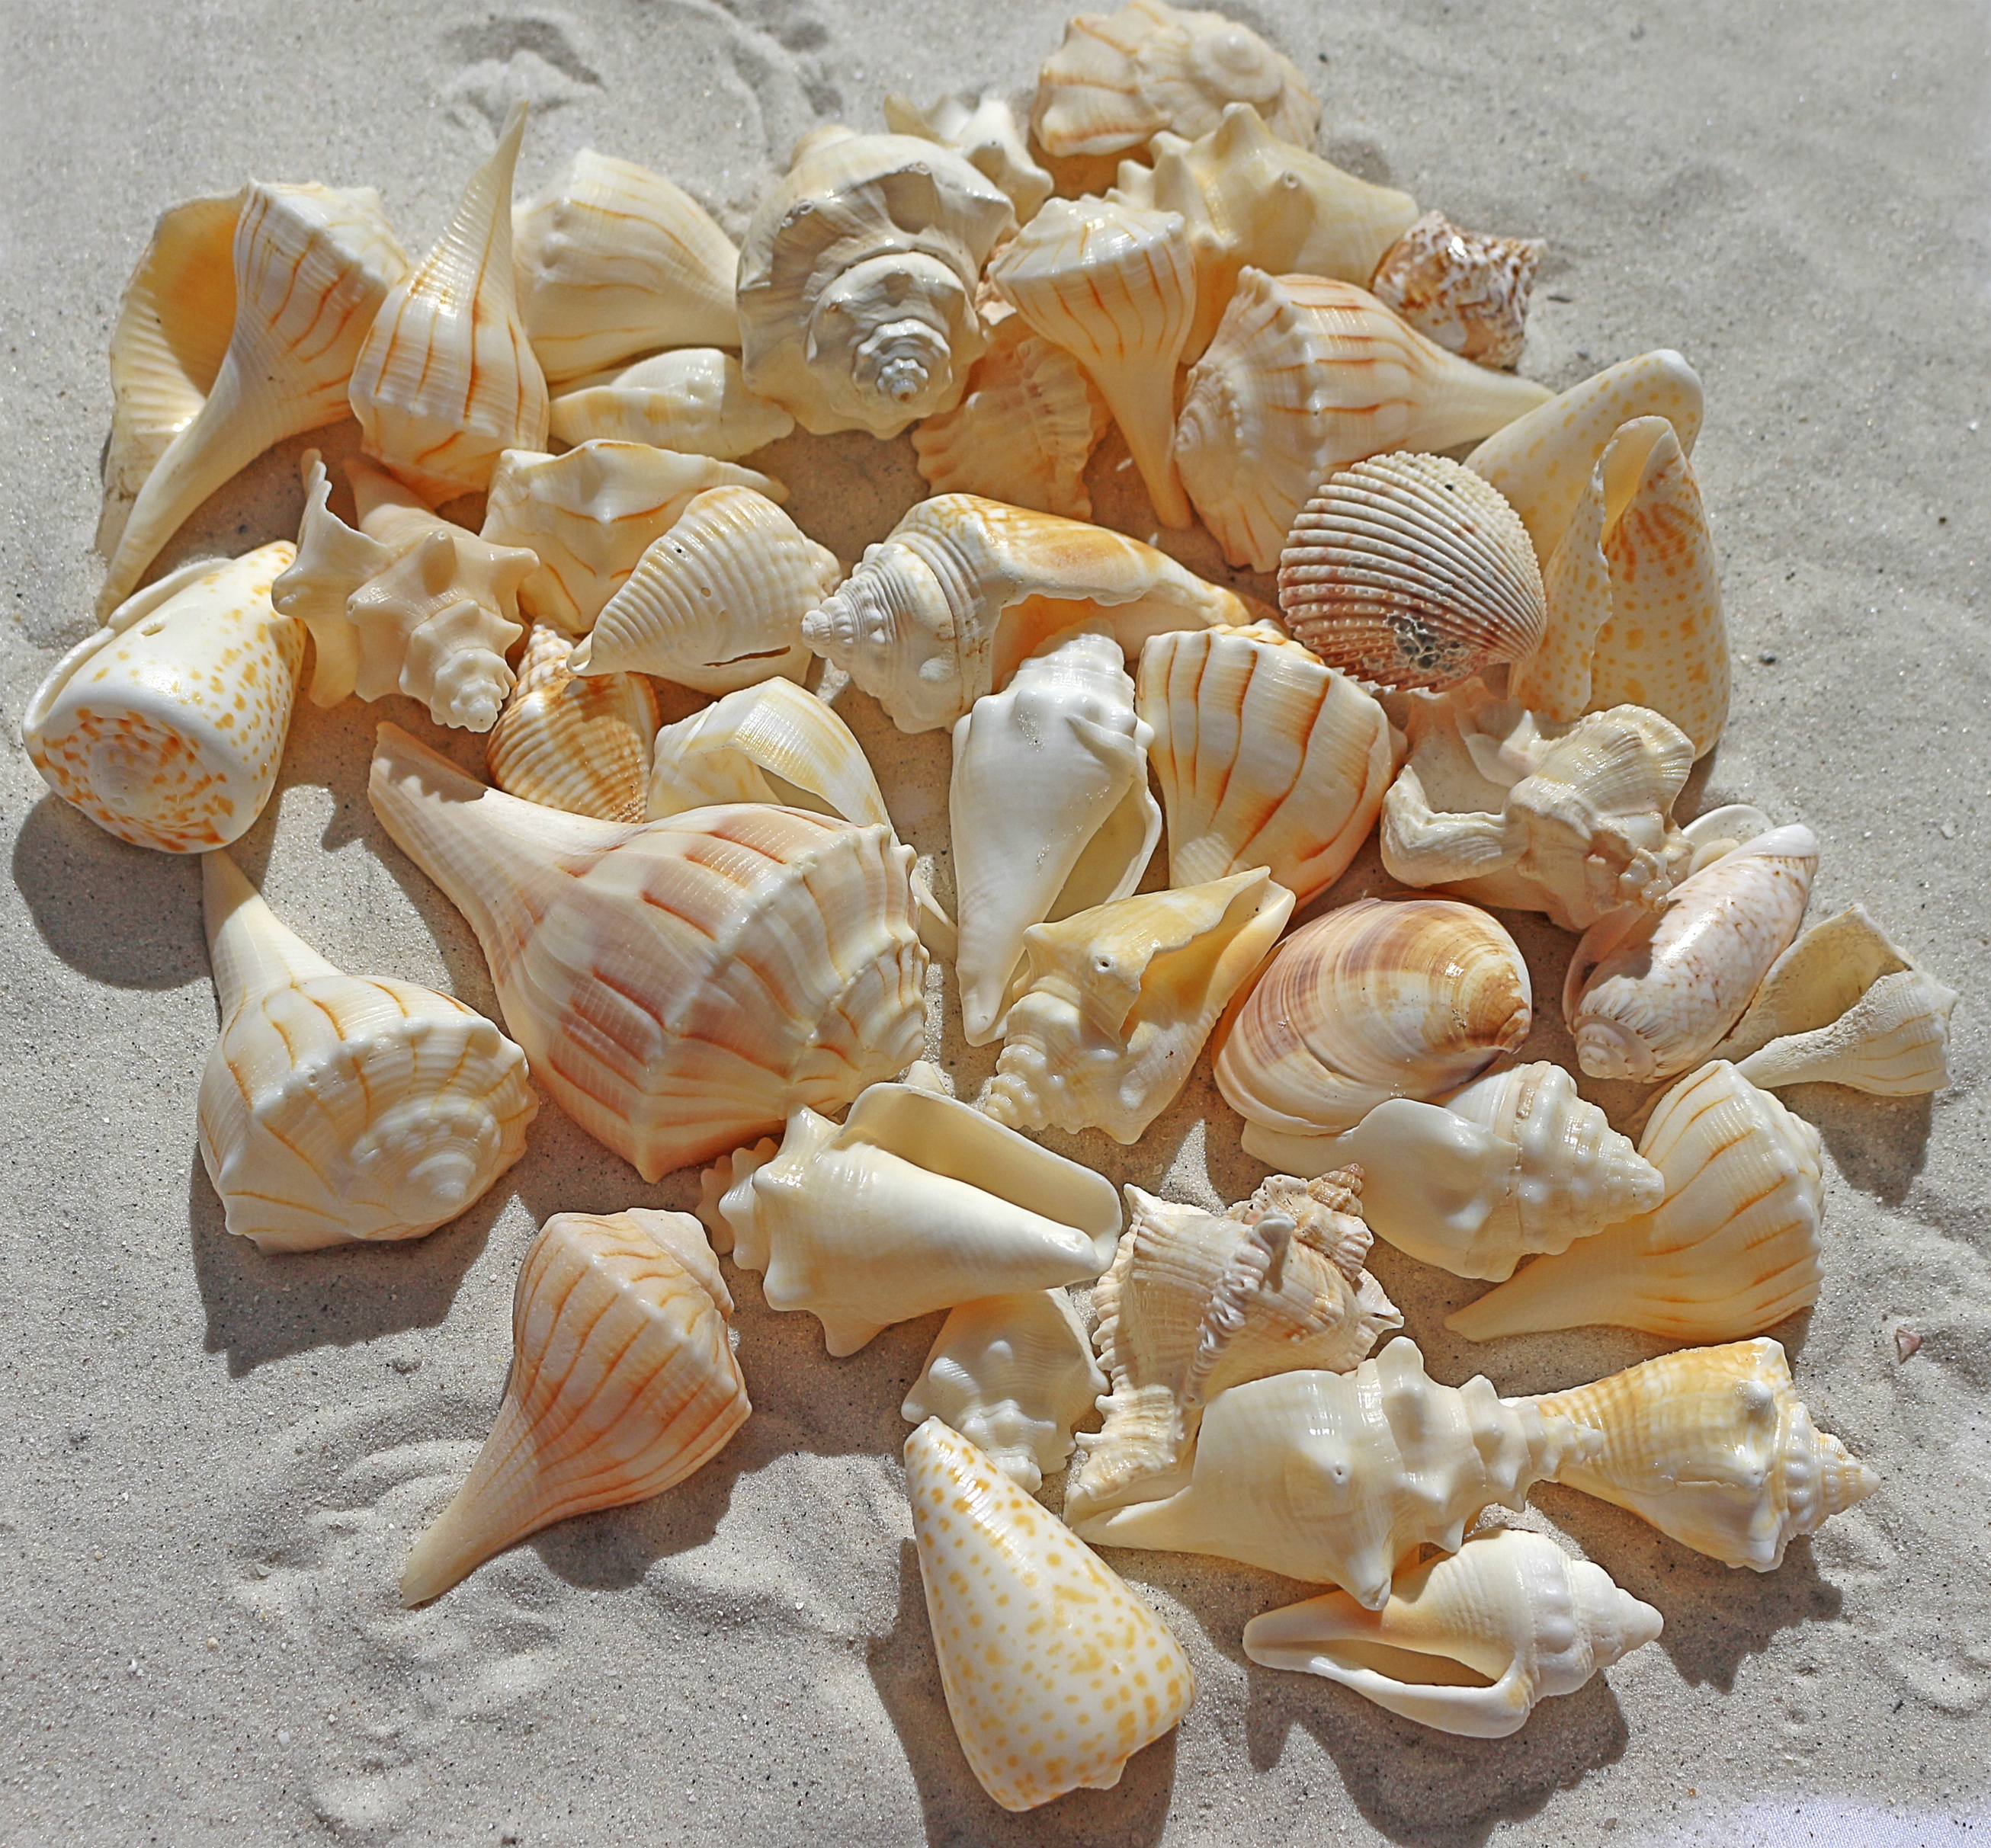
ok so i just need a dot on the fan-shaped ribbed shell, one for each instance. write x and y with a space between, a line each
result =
583 746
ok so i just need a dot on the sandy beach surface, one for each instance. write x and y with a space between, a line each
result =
212 1462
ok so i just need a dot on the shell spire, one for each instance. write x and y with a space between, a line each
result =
250 949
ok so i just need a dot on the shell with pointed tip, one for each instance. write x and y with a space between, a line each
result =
679 986
447 379
915 1203
334 1107
1713 1447
1306 376
941 610
1466 289
1331 1477
985 132
583 746
1722 830
1649 994
623 1383
1469 1642
695 401
166 727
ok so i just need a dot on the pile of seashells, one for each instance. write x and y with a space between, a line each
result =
708 941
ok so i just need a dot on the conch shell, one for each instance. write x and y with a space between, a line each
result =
623 1383
1467 291
985 133
335 1108
583 746
695 401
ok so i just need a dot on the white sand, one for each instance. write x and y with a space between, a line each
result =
215 1461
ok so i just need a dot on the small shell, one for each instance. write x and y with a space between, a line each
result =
1722 830
166 727
335 1108
1467 291
1469 1642
623 1383
1410 571
695 401
984 131
583 746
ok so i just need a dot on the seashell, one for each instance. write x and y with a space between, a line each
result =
1650 994
679 986
941 611
1265 757
447 379
984 132
613 260
1713 1447
592 514
695 401
1055 1674
1723 830
1012 1374
1731 1250
166 727
623 1383
1331 1477
1023 432
1196 1302
1304 376
1407 997
716 602
1114 285
857 280
1048 809
1466 290
334 1107
1471 1641
914 1203
583 746
1410 571
1118 1000
311 265
1120 77
407 602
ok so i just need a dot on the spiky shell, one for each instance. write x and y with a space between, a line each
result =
695 401
984 131
584 745
1466 289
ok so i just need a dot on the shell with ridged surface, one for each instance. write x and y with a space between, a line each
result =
583 746
695 401
1468 289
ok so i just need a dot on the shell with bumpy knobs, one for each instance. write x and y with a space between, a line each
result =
986 133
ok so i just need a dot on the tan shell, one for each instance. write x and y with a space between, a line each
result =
983 130
583 746
1466 290
695 401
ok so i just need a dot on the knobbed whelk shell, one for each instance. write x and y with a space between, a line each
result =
1469 1642
679 986
583 746
166 727
334 1107
1055 1674
1466 290
623 1383
695 401
985 133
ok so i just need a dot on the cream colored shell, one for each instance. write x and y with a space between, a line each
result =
985 133
695 400
1466 289
583 746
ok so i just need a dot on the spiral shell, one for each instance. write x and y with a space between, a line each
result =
1467 290
695 401
583 746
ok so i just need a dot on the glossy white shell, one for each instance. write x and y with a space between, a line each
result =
695 400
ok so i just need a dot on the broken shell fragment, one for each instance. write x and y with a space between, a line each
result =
1468 291
580 745
695 401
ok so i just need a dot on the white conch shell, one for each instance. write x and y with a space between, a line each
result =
943 608
613 260
334 1107
695 401
716 602
1012 1374
1713 1447
1304 376
681 985
1469 1642
447 379
583 746
1466 289
1650 994
1722 830
915 1203
1055 1674
1119 78
984 131
166 727
623 1382
857 280
1731 1250
406 603
1049 811
1196 1302
1331 1477
1572 820
1117 1002
1265 757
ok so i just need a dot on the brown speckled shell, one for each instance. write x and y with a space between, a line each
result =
1465 290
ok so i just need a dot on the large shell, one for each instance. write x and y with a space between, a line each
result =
984 131
1731 1249
1469 1642
1304 376
1265 757
1466 289
1331 1477
1055 1674
623 1383
584 745
695 401
166 727
679 986
334 1107
1410 571
1713 1447
915 1203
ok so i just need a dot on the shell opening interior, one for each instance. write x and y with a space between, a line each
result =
1412 1667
